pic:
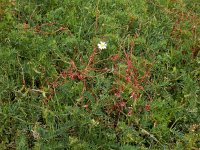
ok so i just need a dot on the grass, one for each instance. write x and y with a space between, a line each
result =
58 90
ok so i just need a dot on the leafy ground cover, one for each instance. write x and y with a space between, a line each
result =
59 90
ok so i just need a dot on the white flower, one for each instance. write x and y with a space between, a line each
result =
36 135
102 45
94 122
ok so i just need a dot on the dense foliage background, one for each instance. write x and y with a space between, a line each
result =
58 90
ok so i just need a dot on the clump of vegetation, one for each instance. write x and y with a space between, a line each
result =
99 74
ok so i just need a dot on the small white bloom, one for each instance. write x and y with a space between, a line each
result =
94 122
102 45
36 135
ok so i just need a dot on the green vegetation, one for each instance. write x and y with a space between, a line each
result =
59 90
